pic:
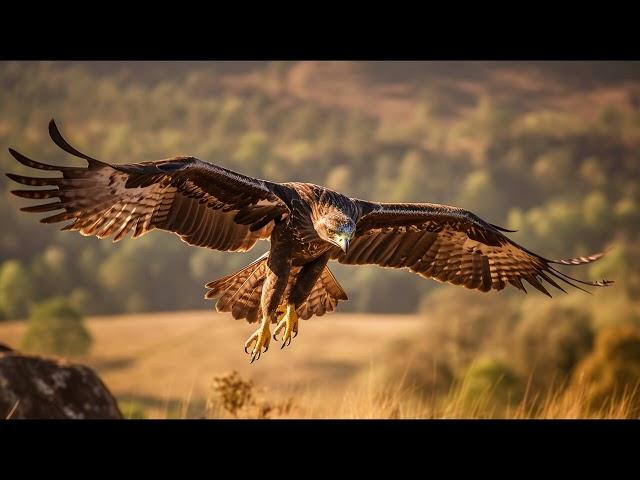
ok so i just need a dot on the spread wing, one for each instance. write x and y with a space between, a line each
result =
206 205
451 245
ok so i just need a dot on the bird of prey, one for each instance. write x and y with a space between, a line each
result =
308 225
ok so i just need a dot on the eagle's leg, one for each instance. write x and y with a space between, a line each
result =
281 310
273 289
301 288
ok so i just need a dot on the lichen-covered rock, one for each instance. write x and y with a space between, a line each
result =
44 388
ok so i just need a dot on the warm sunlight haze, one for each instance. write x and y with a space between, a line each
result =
345 302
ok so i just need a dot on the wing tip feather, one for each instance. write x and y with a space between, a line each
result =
59 140
502 229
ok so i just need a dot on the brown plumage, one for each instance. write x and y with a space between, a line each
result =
308 225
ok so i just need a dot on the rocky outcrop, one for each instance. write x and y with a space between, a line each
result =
44 388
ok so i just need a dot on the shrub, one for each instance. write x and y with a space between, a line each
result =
550 341
489 387
15 290
54 327
611 373
414 363
461 324
239 397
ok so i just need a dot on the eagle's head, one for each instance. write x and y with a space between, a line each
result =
337 228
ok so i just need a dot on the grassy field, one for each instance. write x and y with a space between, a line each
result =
164 363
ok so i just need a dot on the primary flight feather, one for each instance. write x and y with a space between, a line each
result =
307 225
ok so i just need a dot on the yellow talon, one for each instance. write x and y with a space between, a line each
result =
261 337
290 325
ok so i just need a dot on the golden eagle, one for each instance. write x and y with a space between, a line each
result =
307 225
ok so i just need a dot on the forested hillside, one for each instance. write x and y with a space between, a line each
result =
548 149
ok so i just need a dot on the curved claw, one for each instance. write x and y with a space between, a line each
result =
286 343
288 325
253 339
258 340
255 356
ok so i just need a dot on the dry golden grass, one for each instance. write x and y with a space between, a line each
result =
164 365
367 400
166 362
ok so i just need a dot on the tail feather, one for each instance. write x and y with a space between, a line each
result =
222 284
240 293
324 296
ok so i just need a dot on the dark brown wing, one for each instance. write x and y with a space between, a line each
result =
451 245
204 204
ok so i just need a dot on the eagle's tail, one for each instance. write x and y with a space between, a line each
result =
236 291
240 292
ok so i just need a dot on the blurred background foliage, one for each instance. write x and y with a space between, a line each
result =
55 328
550 149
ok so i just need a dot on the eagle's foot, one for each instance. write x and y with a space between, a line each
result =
290 325
259 339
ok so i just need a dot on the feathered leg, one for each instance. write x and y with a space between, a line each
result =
275 284
301 289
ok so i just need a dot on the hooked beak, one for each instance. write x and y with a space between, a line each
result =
343 243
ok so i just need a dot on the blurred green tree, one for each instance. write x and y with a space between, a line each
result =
422 370
16 290
550 341
253 152
627 213
488 387
612 371
592 172
480 194
54 327
624 262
